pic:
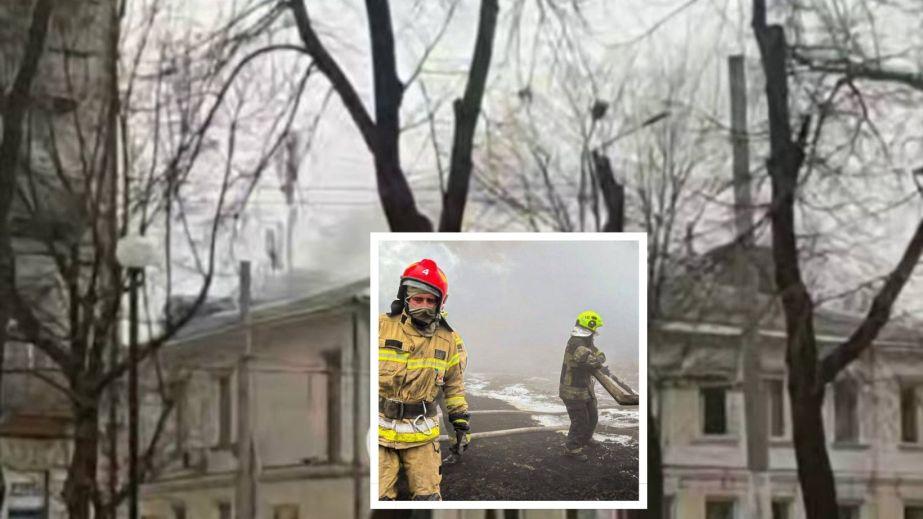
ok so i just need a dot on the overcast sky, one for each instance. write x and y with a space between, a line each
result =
515 303
642 48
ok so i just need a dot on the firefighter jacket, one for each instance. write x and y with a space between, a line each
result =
462 351
581 357
412 366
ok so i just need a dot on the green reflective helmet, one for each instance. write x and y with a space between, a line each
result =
589 320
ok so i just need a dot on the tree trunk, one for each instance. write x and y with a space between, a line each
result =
2 488
393 189
613 192
81 474
815 474
806 388
654 467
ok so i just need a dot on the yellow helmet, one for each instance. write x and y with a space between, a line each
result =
589 320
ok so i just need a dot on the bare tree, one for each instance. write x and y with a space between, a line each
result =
809 370
382 134
13 111
63 173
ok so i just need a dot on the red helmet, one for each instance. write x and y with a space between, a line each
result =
425 271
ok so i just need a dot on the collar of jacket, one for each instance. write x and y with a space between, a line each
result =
580 331
411 328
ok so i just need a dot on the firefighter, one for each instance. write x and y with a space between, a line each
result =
577 386
417 355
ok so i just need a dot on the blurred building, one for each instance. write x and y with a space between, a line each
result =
872 412
309 390
70 90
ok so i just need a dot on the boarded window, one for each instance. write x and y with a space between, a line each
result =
285 512
719 509
224 411
178 393
913 512
781 508
909 414
776 406
846 417
714 409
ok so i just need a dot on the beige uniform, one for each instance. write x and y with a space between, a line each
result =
412 366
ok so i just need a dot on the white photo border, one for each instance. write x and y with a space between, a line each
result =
376 238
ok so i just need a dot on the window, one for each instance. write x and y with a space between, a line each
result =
667 510
781 508
179 510
846 418
850 511
224 510
775 392
719 509
30 513
913 512
224 411
285 512
714 410
909 416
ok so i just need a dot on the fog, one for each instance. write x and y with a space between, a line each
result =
515 303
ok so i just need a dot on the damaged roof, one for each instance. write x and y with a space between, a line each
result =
300 293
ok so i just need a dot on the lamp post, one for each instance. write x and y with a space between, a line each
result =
134 252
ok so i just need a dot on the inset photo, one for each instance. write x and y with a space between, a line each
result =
511 370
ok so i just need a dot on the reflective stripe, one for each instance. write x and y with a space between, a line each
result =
458 339
427 363
456 400
420 430
390 355
454 360
414 437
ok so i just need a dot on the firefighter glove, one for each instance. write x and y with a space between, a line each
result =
462 434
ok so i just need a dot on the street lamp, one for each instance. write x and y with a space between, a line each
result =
134 252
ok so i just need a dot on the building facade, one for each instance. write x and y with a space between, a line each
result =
307 403
872 412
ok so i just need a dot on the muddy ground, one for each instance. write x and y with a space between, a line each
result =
532 467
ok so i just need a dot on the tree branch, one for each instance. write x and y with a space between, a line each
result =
878 314
853 69
330 68
467 110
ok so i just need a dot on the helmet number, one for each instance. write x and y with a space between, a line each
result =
425 272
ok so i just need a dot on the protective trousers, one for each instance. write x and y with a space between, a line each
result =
583 417
422 465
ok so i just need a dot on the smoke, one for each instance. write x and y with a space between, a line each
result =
514 303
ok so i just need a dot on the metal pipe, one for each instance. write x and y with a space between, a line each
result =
133 276
514 411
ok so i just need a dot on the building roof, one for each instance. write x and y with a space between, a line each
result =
298 293
705 299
